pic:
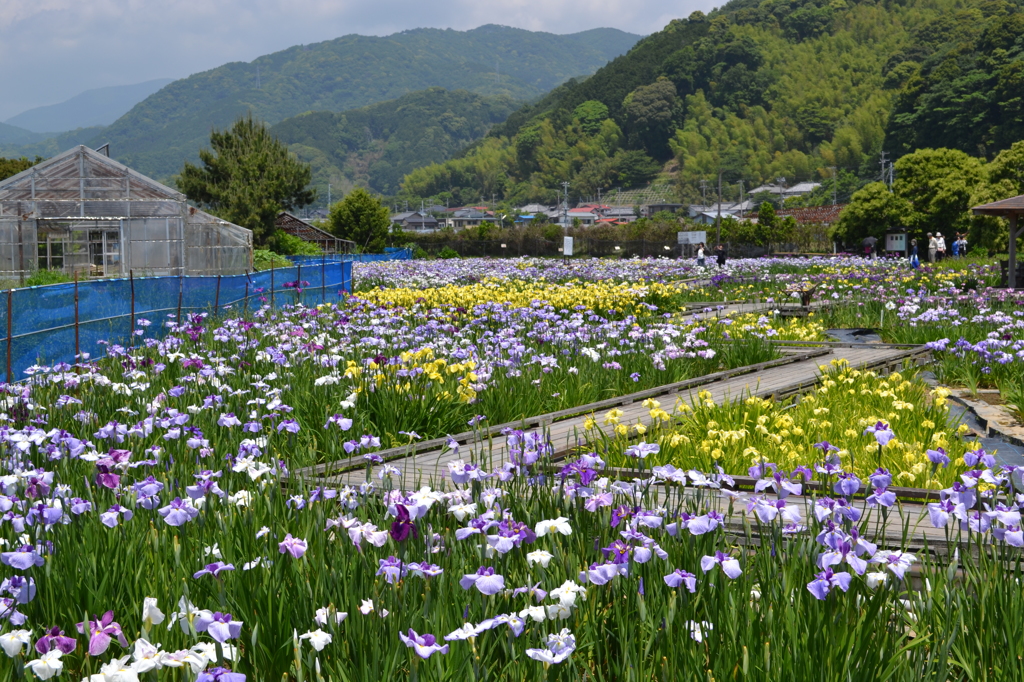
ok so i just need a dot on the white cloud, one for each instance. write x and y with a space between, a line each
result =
58 48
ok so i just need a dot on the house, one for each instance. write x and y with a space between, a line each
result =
650 209
621 214
585 216
735 209
797 190
83 213
415 221
297 227
462 218
534 208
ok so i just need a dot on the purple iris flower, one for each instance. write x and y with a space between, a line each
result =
938 457
294 546
642 450
680 577
100 631
110 517
220 675
831 466
941 512
826 447
342 422
289 425
1011 535
847 485
843 551
484 580
826 581
23 558
80 506
403 525
617 552
424 645
883 497
54 639
897 562
979 455
882 433
391 568
178 512
214 569
22 589
881 478
730 566
219 625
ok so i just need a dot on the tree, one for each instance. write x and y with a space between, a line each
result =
9 167
362 218
247 177
651 111
872 210
938 184
771 229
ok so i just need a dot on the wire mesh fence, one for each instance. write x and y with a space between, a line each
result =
62 322
587 247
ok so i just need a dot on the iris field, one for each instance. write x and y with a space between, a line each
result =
153 527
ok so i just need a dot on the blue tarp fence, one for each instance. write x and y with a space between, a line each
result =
46 324
390 253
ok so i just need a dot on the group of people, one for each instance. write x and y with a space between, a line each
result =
937 248
719 254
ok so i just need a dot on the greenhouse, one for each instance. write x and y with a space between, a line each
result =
86 214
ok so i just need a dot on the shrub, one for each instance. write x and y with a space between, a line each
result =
44 277
447 252
264 259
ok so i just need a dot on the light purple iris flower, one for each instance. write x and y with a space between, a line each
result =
641 450
882 433
214 569
705 523
23 558
425 646
940 513
1011 535
220 675
826 581
391 568
979 455
178 512
342 422
22 589
897 562
730 566
883 497
289 425
844 551
111 517
294 546
680 577
938 457
484 580
847 485
219 625
881 478
100 631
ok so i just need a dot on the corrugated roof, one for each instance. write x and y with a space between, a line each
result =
1001 208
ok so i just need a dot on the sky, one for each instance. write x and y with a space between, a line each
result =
51 50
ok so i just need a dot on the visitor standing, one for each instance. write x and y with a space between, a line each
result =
720 255
954 248
933 246
963 245
915 262
940 246
700 254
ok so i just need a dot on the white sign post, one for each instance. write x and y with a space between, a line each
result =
896 241
692 237
566 246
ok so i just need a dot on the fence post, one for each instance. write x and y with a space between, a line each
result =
10 316
131 323
323 278
271 283
216 299
247 290
77 349
298 281
181 292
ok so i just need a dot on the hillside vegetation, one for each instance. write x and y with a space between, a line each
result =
170 126
758 91
376 146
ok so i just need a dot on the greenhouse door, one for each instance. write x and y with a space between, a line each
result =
105 253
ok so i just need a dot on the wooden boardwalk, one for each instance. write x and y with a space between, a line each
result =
430 465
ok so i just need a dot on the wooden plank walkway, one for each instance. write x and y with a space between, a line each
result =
431 465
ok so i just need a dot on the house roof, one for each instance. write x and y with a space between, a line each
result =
298 227
1003 207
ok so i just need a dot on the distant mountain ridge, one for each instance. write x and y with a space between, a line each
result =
97 107
169 127
377 145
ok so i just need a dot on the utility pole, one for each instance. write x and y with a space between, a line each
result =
718 220
328 196
741 198
883 161
782 186
565 206
704 192
835 185
599 195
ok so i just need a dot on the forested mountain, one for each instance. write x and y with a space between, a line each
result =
376 146
170 126
97 107
762 89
